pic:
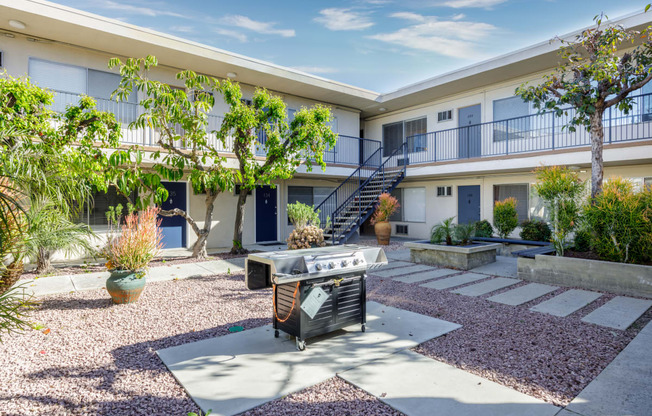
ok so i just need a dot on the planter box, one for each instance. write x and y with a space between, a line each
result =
459 257
618 278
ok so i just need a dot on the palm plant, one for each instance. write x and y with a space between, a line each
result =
443 232
49 230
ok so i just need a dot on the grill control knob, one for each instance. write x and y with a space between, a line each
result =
318 266
345 263
331 265
356 262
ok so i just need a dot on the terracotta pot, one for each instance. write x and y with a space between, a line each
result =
125 286
383 231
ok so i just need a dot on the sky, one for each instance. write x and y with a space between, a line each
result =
380 45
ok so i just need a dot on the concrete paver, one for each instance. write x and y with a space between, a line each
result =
503 266
454 281
48 285
623 387
485 287
619 313
566 303
393 264
419 386
236 372
402 254
415 268
89 281
427 275
523 294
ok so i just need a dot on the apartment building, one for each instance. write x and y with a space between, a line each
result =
447 146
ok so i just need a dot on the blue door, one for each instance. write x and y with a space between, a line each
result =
174 228
470 134
265 214
468 204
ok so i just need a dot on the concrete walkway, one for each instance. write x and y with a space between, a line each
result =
89 281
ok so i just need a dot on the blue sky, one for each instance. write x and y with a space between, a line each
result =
376 44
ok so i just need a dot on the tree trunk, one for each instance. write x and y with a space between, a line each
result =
239 223
199 248
597 142
43 262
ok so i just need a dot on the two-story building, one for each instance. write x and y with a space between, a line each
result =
453 144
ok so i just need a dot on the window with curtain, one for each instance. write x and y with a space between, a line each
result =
507 124
415 132
94 212
69 81
413 205
518 191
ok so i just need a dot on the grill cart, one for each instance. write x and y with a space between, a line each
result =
316 290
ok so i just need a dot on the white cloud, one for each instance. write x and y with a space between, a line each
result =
182 29
454 38
343 19
231 34
138 10
408 16
266 28
458 16
459 4
316 69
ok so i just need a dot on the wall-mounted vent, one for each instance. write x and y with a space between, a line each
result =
401 229
444 191
445 115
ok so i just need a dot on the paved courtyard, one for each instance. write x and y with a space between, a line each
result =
440 341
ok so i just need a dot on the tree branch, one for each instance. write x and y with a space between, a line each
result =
623 94
181 213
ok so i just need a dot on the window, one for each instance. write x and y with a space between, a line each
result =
94 212
444 191
308 195
444 116
68 82
647 183
413 204
509 119
394 134
401 229
518 191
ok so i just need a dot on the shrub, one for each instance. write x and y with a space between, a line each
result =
583 240
483 229
561 191
138 242
443 232
306 237
622 222
535 230
386 207
505 216
464 233
301 215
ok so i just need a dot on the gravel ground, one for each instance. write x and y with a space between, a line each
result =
547 357
372 242
92 357
332 397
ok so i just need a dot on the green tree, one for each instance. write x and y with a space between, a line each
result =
505 216
287 145
188 148
594 76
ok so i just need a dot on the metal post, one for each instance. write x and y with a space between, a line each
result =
609 125
506 137
553 130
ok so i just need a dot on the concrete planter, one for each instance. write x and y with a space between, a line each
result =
618 278
458 257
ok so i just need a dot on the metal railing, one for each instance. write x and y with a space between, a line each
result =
348 150
538 132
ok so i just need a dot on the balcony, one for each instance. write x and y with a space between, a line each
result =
527 134
348 151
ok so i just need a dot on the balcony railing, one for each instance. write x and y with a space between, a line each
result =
347 151
539 132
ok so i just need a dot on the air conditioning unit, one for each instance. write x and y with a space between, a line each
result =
444 191
401 229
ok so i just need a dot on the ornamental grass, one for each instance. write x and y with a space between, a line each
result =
138 242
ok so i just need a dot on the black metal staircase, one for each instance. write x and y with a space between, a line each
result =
351 203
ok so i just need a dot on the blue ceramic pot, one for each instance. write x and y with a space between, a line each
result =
125 286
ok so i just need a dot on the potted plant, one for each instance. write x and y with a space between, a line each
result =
128 253
306 233
386 207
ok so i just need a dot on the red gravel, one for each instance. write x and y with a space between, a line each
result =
547 357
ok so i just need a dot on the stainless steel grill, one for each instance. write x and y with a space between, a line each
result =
317 290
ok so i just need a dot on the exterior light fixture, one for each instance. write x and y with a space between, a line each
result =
231 74
382 109
17 24
8 35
